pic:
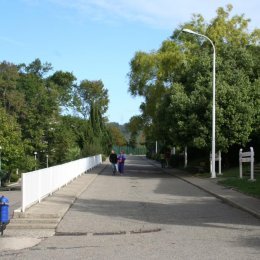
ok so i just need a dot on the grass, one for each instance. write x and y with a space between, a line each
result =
230 178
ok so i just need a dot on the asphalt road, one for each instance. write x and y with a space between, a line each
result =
147 214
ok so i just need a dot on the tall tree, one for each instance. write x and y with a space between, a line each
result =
12 148
10 97
93 92
64 84
176 83
117 136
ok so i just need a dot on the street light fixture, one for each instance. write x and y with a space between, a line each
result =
213 152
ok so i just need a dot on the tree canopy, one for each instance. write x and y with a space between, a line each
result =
33 100
176 83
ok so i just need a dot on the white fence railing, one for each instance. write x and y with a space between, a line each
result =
218 159
247 157
40 183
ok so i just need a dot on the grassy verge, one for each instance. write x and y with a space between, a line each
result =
230 178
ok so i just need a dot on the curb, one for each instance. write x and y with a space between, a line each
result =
55 218
224 199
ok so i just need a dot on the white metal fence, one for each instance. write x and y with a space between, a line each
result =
40 183
217 158
247 157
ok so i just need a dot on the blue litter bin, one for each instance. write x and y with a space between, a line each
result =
4 213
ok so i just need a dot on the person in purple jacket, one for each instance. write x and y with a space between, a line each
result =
121 162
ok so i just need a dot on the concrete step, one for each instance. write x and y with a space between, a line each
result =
40 215
34 220
23 220
32 225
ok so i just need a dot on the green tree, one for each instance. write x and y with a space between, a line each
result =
10 97
134 127
176 82
41 109
92 92
32 102
12 149
99 138
117 136
64 84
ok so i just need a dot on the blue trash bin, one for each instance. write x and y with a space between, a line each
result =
4 213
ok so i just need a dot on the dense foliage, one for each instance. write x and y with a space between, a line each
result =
176 83
49 113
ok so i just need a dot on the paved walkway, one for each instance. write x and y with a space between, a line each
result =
227 195
41 220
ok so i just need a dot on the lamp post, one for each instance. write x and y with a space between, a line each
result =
213 152
35 158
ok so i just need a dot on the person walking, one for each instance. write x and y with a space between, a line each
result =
162 159
121 162
113 161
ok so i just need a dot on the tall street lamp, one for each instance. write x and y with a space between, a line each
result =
213 153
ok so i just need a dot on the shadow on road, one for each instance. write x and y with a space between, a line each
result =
170 201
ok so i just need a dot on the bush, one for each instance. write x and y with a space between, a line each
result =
104 157
177 160
14 177
3 174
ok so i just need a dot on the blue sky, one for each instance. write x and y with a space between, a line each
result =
96 39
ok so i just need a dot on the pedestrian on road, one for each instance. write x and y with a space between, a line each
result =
121 162
113 161
162 159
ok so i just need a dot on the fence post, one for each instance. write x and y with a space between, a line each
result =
217 158
185 157
252 164
23 195
39 185
219 163
247 157
240 164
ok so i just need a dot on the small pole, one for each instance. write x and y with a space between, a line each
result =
35 158
252 164
240 164
185 157
219 163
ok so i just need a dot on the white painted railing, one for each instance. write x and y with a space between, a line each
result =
218 159
247 157
40 183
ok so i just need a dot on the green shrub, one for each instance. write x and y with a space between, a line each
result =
104 157
14 177
177 160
